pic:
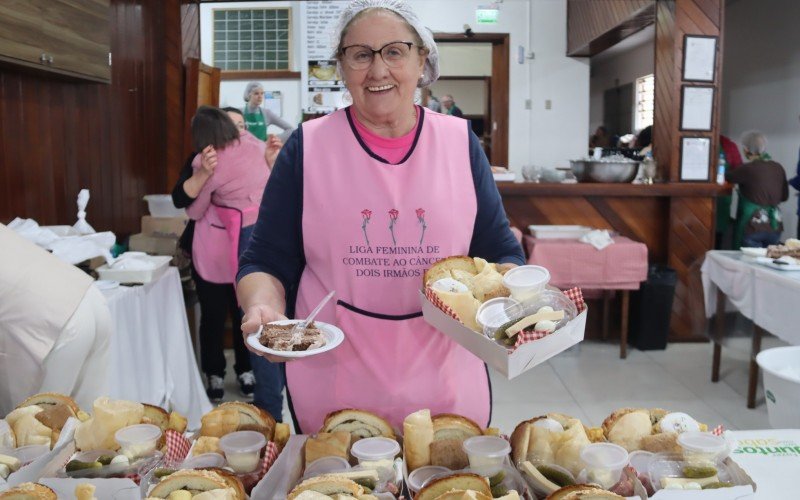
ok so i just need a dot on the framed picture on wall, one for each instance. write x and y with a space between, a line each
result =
695 159
697 107
699 58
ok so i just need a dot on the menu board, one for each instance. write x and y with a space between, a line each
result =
322 85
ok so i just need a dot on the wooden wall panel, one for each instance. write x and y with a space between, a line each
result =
58 136
595 25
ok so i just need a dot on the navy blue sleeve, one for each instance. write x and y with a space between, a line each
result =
179 197
276 246
492 238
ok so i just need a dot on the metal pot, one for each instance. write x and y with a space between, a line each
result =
604 171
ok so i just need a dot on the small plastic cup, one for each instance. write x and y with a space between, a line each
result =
604 463
492 314
549 424
417 478
374 449
326 465
137 441
640 460
702 449
486 452
204 460
243 450
27 454
526 282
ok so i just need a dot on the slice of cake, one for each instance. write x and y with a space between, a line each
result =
279 338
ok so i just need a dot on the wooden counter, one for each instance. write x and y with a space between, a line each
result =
674 220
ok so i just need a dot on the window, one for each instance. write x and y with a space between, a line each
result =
645 100
252 39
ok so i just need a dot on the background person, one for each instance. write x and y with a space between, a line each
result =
258 118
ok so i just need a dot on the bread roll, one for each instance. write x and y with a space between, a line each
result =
206 444
627 426
194 480
488 284
29 491
237 416
27 428
583 492
417 439
461 481
442 268
330 485
327 444
110 415
359 423
449 432
449 453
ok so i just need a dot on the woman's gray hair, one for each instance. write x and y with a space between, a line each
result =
250 88
755 142
430 73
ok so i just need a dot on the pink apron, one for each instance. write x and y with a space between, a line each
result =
370 230
234 220
215 247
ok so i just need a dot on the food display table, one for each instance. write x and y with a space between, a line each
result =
771 458
769 297
151 358
621 266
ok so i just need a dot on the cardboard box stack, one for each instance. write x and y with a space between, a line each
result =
159 235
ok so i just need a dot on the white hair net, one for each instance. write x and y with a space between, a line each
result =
250 88
430 73
755 142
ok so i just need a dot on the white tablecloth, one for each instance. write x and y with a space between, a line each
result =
772 460
151 358
769 297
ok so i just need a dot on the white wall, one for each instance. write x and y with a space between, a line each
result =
761 82
620 69
458 59
548 137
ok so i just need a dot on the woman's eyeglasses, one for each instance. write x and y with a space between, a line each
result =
358 57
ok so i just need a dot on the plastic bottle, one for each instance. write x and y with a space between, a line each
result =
721 167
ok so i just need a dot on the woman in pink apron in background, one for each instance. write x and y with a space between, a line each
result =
225 211
362 202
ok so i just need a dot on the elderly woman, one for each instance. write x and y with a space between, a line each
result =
258 118
762 187
362 201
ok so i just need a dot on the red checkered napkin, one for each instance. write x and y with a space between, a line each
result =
177 447
525 336
718 430
435 300
269 458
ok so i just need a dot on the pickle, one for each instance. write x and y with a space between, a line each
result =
497 478
76 465
105 459
555 476
716 486
696 472
366 482
499 491
162 472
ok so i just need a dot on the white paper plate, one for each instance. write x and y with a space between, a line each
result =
333 337
780 267
754 251
106 284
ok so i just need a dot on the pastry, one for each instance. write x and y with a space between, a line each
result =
279 338
359 423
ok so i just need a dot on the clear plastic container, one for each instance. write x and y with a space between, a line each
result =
93 455
640 460
243 450
525 282
160 205
204 460
326 465
486 451
669 465
419 476
702 449
137 441
492 313
548 298
27 454
374 449
604 463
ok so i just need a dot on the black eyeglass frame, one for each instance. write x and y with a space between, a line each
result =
379 51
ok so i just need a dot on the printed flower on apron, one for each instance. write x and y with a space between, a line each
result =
421 219
393 213
366 214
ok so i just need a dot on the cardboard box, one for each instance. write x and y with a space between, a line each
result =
746 491
497 356
163 226
154 245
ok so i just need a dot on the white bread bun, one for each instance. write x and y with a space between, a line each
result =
627 426
582 492
108 417
237 416
460 481
451 426
206 444
196 480
46 399
27 428
442 268
417 439
463 495
359 423
330 485
29 491
488 284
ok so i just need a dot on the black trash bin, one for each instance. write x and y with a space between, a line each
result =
651 309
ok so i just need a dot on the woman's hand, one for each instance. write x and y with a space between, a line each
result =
274 145
256 316
208 160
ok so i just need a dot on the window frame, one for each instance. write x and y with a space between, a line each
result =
639 125
231 74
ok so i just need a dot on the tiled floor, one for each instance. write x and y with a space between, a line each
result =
590 381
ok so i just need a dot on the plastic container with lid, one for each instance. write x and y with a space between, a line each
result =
419 476
492 314
27 454
204 460
137 441
604 463
326 465
93 455
525 282
547 298
243 450
667 469
486 452
702 449
640 460
161 205
374 449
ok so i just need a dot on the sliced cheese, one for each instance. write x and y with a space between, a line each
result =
532 320
359 474
11 462
537 478
667 481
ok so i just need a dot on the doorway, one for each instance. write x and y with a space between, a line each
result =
485 87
